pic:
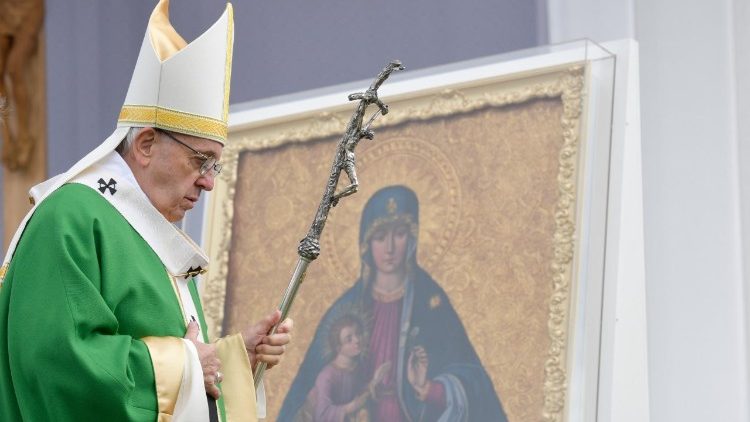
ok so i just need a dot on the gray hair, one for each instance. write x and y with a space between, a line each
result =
127 142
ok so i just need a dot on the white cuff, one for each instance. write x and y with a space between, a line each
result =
191 405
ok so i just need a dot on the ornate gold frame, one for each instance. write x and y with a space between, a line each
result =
567 82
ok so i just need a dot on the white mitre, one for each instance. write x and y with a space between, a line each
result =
175 86
178 86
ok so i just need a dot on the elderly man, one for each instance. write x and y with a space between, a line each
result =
100 317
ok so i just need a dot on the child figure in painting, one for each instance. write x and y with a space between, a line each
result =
340 393
429 378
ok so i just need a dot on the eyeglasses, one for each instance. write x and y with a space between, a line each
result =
209 162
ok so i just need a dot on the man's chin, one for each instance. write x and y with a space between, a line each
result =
175 216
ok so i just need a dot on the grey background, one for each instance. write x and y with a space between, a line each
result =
281 47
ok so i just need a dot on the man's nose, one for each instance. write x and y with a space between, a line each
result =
206 181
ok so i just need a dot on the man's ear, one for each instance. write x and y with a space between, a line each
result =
143 146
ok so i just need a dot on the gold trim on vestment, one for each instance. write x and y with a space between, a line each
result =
238 387
178 121
168 359
177 292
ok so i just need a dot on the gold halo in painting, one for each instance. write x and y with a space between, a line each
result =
397 160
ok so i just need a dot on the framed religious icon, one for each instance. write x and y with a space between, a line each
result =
463 280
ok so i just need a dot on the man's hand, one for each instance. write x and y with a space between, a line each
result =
264 348
209 360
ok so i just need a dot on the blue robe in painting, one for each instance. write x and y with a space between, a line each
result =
427 319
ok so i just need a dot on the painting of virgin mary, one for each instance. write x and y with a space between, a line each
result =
416 361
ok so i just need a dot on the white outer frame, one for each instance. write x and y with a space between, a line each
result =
624 375
609 380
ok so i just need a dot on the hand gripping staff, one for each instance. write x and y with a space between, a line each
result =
309 247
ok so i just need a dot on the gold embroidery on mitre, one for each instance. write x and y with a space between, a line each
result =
179 121
228 64
435 302
137 114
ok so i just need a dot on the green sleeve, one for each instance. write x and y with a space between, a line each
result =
67 358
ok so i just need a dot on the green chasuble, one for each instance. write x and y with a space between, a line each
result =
82 289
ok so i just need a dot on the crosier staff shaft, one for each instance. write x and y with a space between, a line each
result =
343 160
